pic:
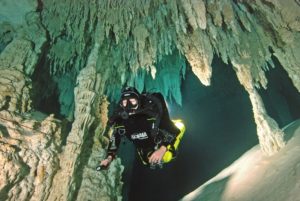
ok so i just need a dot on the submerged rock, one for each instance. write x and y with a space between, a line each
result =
72 57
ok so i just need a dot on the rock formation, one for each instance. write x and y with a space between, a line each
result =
29 149
85 51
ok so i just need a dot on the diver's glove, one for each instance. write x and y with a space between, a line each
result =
104 164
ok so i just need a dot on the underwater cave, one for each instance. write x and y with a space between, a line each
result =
230 70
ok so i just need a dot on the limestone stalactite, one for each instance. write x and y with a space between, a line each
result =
67 181
271 137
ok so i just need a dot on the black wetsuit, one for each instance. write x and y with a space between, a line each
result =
148 128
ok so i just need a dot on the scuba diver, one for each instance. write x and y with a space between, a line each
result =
144 120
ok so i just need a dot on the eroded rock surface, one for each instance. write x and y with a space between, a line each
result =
29 147
90 49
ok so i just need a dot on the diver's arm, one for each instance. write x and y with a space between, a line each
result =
157 155
106 161
113 145
112 149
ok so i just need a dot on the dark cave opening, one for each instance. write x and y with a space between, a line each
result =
281 98
45 91
53 93
46 96
220 128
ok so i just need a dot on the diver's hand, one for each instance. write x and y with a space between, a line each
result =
106 162
157 156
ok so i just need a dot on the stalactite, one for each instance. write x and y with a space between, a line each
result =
105 45
269 134
72 174
169 75
195 12
92 182
199 53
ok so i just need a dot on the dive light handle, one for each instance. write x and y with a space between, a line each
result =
101 167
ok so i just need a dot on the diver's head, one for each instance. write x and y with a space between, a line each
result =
130 99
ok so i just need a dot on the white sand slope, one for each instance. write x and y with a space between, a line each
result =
255 177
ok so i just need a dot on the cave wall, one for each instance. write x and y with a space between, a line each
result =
89 50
